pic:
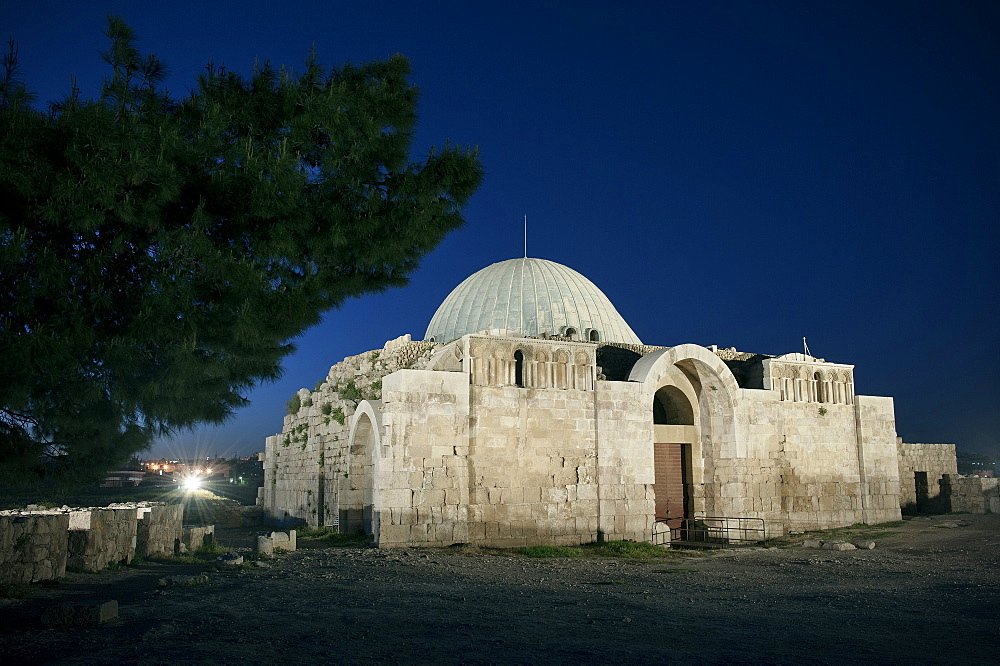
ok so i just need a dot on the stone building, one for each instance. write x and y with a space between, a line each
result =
531 413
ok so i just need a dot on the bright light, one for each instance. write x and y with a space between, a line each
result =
191 484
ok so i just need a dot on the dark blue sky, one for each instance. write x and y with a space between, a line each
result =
741 174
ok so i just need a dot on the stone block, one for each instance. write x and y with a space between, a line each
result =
75 614
183 581
838 545
264 545
283 540
194 537
864 545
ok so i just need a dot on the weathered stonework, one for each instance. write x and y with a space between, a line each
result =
509 441
39 544
33 547
157 529
973 494
921 470
111 537
543 419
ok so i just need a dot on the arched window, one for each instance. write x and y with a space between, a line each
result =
819 388
671 407
595 336
570 333
519 368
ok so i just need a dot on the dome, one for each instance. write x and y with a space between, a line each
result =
529 297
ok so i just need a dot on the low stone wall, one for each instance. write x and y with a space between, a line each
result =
158 529
33 547
111 538
39 544
921 469
194 537
972 493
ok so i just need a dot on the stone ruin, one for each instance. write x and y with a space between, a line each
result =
41 544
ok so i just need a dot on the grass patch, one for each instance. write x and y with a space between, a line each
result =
175 559
337 540
307 532
632 550
14 590
204 554
548 551
331 537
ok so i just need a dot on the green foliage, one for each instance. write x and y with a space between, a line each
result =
350 391
634 550
307 402
309 532
331 537
293 406
11 590
322 458
375 391
319 385
356 540
210 550
326 409
548 551
338 415
158 255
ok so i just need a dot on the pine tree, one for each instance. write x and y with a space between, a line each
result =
158 255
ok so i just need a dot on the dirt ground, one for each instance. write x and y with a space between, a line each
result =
929 593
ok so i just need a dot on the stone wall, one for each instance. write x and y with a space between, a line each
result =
307 464
111 537
422 476
921 469
971 493
33 547
39 544
624 460
515 441
157 529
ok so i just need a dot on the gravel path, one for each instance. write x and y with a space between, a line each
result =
926 594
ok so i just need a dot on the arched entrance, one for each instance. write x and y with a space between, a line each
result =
357 512
673 434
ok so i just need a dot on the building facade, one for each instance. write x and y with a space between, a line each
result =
532 414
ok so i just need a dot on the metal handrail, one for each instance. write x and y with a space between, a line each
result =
720 531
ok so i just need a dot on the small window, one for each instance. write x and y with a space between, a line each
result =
819 388
570 333
519 368
595 336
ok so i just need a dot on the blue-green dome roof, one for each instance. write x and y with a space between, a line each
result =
529 297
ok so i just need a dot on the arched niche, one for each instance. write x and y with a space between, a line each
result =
358 490
672 407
